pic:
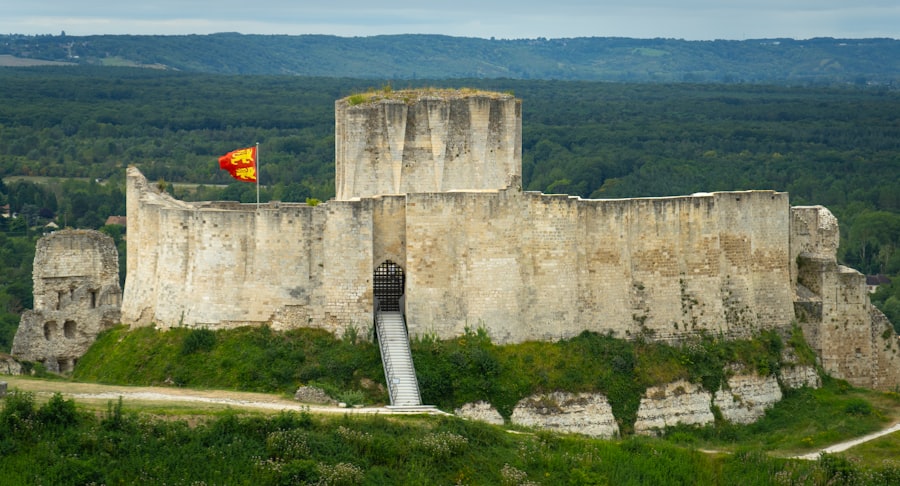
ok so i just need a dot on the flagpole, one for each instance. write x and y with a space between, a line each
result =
257 176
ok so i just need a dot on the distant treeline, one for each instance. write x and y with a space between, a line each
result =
821 61
839 147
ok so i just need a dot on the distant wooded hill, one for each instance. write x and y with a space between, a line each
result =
773 61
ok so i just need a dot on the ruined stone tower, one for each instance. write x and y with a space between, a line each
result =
76 296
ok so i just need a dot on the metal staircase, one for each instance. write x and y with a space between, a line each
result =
397 359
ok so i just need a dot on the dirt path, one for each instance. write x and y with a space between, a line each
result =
150 396
843 446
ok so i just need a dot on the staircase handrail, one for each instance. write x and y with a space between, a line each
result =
386 361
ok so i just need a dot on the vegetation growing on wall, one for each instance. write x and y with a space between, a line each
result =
409 96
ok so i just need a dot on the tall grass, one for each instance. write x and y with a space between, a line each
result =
57 444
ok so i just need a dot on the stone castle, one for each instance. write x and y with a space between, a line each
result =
430 220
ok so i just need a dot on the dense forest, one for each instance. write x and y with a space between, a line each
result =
69 133
819 61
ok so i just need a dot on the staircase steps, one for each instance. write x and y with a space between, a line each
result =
396 357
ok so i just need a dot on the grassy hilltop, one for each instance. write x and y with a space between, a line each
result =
59 441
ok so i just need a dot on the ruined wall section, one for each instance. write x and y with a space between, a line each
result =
529 266
854 340
76 296
421 141
221 265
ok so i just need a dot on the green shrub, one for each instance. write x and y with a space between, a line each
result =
287 444
18 415
57 412
357 99
198 340
858 406
352 397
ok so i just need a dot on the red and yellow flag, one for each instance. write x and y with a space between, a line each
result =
240 163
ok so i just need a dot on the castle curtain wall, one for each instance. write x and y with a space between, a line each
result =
347 277
531 266
227 264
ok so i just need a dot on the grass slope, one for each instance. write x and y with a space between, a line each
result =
59 442
248 359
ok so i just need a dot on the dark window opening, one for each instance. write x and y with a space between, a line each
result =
69 329
49 329
93 294
388 285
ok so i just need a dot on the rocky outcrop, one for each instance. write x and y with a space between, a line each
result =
680 402
743 399
314 395
747 397
482 411
9 366
76 296
583 413
794 377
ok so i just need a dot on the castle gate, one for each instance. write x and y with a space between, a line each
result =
388 285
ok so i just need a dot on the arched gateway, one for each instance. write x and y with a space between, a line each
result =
388 286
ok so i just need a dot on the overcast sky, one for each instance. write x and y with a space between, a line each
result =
506 19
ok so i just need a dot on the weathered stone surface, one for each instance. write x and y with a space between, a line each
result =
680 402
312 394
427 141
799 376
582 413
747 397
482 411
9 365
76 296
853 339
